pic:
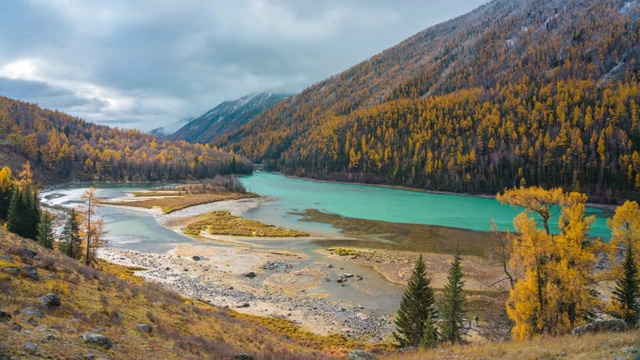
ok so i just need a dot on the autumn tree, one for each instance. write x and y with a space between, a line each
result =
417 311
46 233
92 229
6 191
70 239
625 229
555 290
453 309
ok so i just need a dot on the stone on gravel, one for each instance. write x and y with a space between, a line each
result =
360 355
4 316
243 305
599 326
30 272
250 275
49 301
243 356
196 258
144 328
97 339
31 311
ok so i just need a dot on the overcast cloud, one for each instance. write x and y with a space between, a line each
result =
149 63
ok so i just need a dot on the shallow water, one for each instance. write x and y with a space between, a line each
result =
384 204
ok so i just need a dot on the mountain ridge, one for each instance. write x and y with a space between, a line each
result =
226 117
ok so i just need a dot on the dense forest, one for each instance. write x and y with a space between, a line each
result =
540 92
70 148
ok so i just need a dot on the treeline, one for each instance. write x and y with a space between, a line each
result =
71 148
535 92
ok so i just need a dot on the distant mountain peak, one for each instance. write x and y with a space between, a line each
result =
227 117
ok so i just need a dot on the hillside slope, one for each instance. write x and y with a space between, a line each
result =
68 148
95 301
226 117
540 91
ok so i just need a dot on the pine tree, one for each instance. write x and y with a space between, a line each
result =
70 240
416 313
15 216
453 309
627 291
45 230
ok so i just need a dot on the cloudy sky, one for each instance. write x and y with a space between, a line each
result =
149 63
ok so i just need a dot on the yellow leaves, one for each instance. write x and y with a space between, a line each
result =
625 228
6 178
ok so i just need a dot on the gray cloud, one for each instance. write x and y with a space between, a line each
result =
149 63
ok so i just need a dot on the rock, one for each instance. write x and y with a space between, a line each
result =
341 280
243 356
97 339
347 275
250 275
360 355
31 311
196 258
4 316
167 268
329 266
629 350
30 272
50 301
243 305
89 357
598 326
144 328
16 327
30 347
5 258
359 277
12 271
28 252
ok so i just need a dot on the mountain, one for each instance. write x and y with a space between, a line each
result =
62 148
226 117
159 132
542 92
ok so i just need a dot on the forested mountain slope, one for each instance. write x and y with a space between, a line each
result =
226 117
538 91
65 147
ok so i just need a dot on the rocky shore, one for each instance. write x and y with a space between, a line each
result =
255 287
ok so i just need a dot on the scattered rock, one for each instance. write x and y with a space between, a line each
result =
243 356
359 277
598 326
31 311
243 305
167 268
4 316
89 357
12 271
16 327
329 266
341 280
360 355
250 275
30 347
50 301
5 258
97 339
347 275
196 258
31 272
28 252
144 328
629 350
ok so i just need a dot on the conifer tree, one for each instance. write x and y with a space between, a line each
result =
627 292
453 309
70 239
46 233
16 216
416 313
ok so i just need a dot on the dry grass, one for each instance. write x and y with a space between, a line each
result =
588 347
170 204
93 300
223 223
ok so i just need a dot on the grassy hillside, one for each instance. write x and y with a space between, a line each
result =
98 301
540 91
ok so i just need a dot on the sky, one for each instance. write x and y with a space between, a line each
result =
149 63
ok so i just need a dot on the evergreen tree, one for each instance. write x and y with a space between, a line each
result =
70 240
45 230
627 291
16 216
453 308
416 313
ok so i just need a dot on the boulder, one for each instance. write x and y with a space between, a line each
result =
30 272
12 271
196 258
243 305
250 275
243 356
599 326
32 311
49 301
97 339
360 355
30 347
146 328
4 316
28 253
